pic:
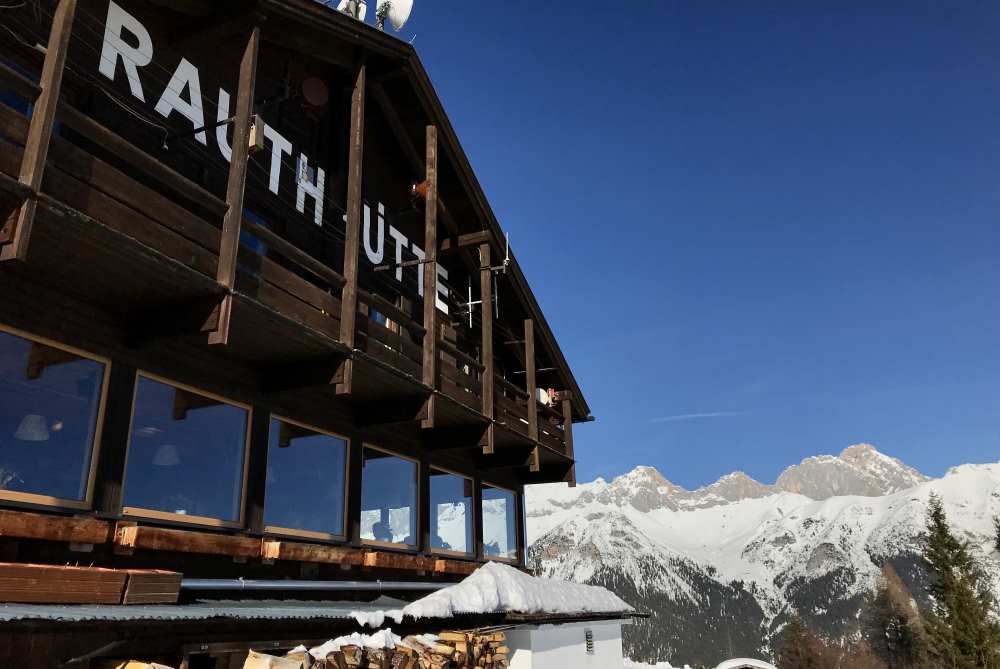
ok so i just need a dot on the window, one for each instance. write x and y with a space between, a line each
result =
306 481
451 512
50 407
388 498
186 455
499 523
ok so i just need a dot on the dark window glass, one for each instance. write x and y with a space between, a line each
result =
306 473
451 512
388 499
499 523
186 453
49 405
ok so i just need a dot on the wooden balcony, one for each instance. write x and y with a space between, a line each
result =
149 254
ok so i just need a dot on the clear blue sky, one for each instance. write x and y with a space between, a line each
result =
784 215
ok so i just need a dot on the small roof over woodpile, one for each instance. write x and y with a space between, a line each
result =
499 588
495 591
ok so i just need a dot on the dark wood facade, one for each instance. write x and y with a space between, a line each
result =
265 204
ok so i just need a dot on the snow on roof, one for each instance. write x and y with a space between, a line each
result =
744 663
500 588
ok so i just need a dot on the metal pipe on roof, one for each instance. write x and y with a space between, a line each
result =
313 586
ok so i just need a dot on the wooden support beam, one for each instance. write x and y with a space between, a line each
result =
352 239
424 539
398 410
316 553
430 369
455 567
477 517
129 537
113 448
489 368
567 411
456 242
17 228
82 530
531 385
327 370
387 560
355 474
520 529
256 481
231 222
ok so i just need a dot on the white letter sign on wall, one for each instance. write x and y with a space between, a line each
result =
185 77
116 47
128 41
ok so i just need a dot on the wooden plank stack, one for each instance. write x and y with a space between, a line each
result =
57 584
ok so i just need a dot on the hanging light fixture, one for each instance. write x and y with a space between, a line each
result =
33 428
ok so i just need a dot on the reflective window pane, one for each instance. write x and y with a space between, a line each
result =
186 453
49 406
306 474
451 512
499 523
388 499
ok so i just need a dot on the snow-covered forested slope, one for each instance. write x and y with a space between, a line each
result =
721 567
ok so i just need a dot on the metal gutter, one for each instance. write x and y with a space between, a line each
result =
230 584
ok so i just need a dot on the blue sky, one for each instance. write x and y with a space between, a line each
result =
760 230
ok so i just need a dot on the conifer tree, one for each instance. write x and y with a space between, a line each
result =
895 630
801 649
961 631
996 527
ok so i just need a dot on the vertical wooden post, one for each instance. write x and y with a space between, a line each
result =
529 362
355 472
477 518
36 147
430 275
352 238
424 538
486 295
114 440
521 529
260 429
229 244
567 412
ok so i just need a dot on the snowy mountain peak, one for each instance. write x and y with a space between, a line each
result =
859 470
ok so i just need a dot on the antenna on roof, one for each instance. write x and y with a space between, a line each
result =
397 11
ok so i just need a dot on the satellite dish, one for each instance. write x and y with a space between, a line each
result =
355 8
397 11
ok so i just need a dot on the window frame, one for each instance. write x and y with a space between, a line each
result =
471 553
279 531
517 538
417 525
186 519
95 447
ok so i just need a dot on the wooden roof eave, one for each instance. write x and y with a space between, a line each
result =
376 41
453 148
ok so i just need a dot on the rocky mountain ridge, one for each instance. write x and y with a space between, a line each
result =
721 567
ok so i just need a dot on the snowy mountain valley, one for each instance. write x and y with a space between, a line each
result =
721 568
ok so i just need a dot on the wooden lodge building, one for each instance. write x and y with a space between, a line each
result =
258 320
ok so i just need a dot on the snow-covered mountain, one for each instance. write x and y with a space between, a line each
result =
720 567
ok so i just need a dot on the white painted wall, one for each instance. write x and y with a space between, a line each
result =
565 646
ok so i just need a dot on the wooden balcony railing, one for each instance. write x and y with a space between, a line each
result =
87 183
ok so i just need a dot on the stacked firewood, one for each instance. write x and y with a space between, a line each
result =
449 650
